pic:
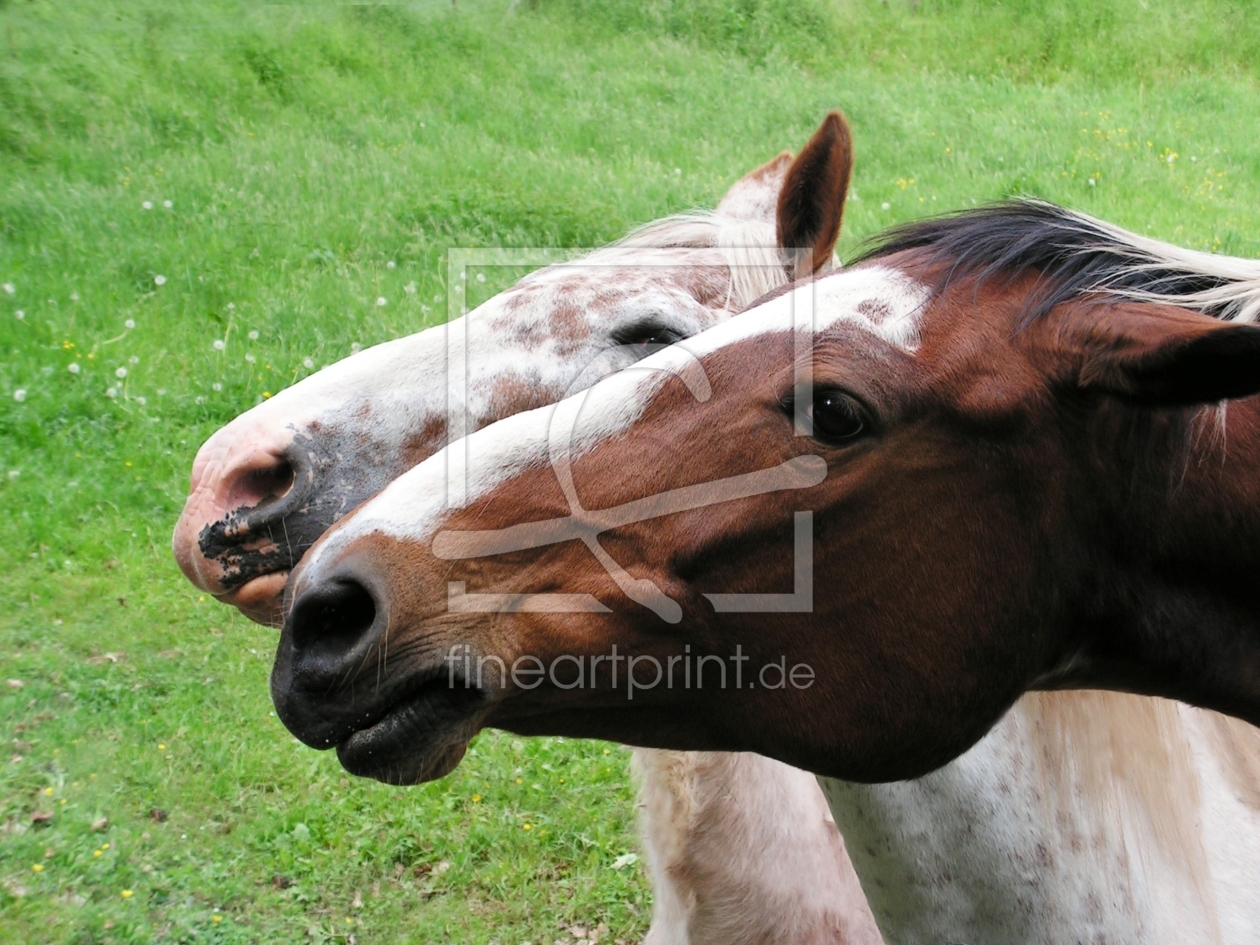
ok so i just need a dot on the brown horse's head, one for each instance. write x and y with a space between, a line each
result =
845 529
267 485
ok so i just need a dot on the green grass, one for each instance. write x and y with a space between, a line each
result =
128 711
305 148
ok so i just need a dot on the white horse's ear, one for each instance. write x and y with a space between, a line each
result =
756 195
811 201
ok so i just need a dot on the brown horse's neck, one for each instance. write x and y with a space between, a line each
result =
1178 601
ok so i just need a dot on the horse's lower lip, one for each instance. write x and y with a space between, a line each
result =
420 738
260 599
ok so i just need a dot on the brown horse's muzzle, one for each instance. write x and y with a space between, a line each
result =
394 709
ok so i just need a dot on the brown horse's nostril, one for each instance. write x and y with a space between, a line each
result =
260 484
327 623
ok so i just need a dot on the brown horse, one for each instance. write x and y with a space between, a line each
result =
1105 815
1000 430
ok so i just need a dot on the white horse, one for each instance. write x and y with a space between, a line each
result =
730 839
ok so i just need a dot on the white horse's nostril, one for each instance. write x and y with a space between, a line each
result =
262 483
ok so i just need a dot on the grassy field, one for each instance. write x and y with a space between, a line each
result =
201 202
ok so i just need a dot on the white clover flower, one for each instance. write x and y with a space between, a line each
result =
249 358
1092 182
677 171
380 301
216 386
159 280
219 344
253 336
133 360
308 363
147 205
19 315
481 277
19 395
199 400
391 265
885 205
231 306
120 373
438 297
73 367
410 288
74 296
13 474
111 392
9 288
141 401
167 204
356 348
129 323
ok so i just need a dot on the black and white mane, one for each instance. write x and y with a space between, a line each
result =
1075 255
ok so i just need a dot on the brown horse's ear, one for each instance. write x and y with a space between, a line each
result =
811 201
1165 356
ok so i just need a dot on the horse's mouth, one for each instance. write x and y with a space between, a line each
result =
421 737
260 598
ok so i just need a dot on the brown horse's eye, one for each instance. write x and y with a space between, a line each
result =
837 418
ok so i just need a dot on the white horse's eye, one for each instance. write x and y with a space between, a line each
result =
647 335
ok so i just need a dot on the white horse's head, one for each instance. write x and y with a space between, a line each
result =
268 484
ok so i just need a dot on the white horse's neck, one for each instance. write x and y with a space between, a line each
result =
1083 816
